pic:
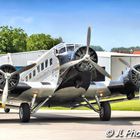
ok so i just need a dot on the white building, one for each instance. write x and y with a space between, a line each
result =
21 59
112 64
108 60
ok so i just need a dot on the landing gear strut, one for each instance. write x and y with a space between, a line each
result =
25 110
104 108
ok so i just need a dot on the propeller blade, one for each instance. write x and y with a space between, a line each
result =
124 62
100 69
128 65
23 69
1 71
5 93
135 70
88 39
71 63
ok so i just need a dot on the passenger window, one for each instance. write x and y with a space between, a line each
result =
62 50
38 68
50 61
42 66
34 72
46 63
30 76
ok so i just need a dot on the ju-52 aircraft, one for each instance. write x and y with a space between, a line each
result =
64 76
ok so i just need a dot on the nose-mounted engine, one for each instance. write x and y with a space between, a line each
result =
84 59
13 80
85 65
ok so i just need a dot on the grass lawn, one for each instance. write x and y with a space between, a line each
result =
130 105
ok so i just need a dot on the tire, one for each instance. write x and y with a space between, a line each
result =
6 110
24 112
130 96
105 112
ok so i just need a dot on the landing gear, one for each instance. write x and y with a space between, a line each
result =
104 108
24 112
6 110
105 111
130 96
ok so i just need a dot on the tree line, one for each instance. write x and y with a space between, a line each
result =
17 40
126 49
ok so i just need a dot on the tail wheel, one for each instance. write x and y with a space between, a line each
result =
105 112
6 110
24 112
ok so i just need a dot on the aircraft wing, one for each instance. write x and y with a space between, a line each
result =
111 100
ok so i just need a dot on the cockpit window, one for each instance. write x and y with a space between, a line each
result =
70 48
62 50
77 46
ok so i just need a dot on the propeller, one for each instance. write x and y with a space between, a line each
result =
5 91
128 65
87 58
71 63
88 40
23 69
100 69
133 68
7 77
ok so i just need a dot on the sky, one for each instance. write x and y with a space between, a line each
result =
114 23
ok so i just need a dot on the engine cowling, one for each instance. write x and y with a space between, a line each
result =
131 82
80 53
14 79
134 76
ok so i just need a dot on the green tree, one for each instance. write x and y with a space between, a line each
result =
97 48
12 39
41 42
126 49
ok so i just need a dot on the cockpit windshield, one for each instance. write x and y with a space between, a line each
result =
65 52
62 50
70 48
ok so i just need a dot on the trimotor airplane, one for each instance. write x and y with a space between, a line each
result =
64 76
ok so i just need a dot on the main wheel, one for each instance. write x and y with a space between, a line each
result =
24 112
130 96
105 112
6 110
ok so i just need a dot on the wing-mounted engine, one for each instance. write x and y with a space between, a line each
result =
9 78
134 77
13 80
131 79
131 82
85 65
